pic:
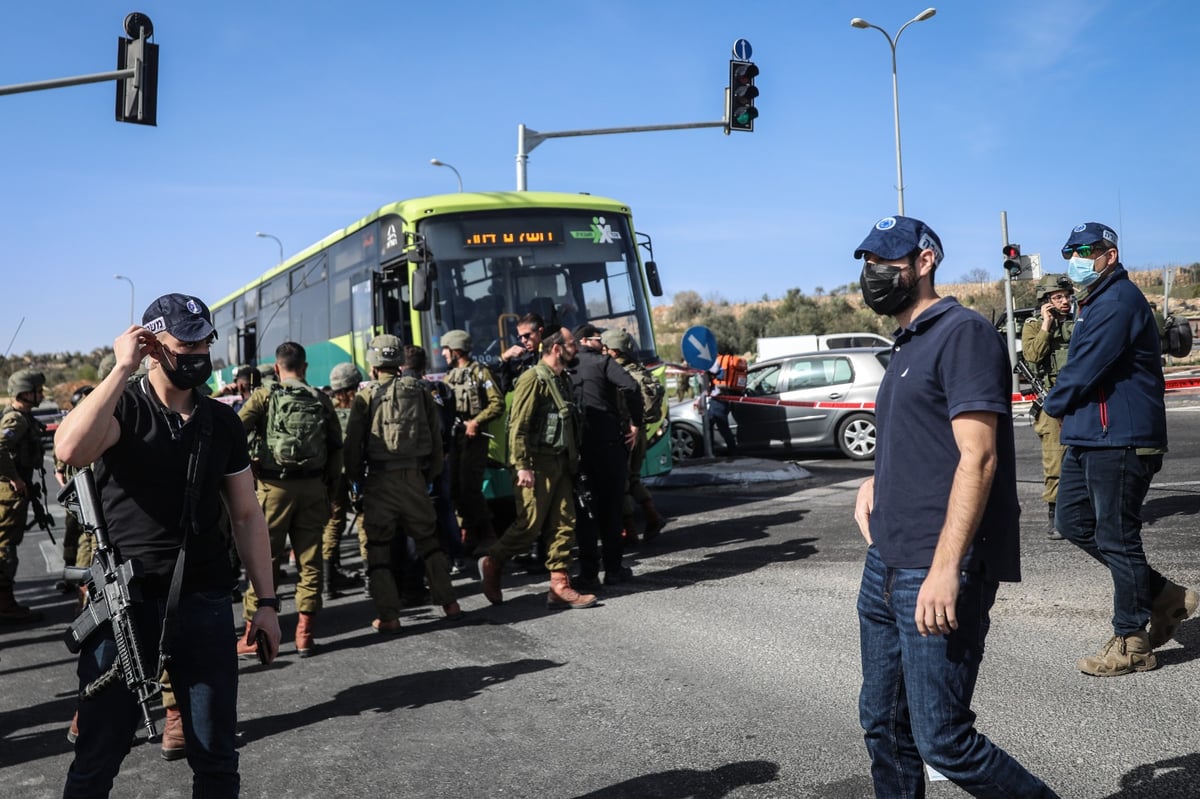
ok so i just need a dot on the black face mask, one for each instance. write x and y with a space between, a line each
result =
883 289
190 371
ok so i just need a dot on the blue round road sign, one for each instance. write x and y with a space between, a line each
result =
742 50
699 346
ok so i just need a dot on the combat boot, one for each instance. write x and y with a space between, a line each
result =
328 588
489 575
174 747
12 612
1173 604
246 650
562 595
1123 654
1053 534
654 521
305 646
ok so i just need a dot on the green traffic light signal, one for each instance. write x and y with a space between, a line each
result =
740 111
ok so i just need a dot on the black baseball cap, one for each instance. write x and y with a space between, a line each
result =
184 317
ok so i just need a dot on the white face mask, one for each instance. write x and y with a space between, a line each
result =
1081 270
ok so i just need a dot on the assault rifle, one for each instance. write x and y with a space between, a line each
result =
113 588
41 516
1039 388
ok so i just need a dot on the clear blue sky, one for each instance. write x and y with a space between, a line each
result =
296 118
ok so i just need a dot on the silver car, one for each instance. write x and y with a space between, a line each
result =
814 401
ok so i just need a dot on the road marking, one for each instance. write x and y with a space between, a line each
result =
52 555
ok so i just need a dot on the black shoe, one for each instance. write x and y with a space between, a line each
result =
583 583
618 576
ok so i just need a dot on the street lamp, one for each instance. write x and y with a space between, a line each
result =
436 162
130 282
277 241
858 22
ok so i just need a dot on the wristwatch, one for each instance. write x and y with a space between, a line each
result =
271 602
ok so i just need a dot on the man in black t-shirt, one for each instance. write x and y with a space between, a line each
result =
143 437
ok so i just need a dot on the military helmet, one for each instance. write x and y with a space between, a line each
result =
25 380
457 340
106 365
386 351
80 393
1050 283
343 376
266 372
617 340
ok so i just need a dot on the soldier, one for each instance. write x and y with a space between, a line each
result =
21 452
394 450
477 401
301 450
543 446
1044 340
343 381
619 345
519 357
266 373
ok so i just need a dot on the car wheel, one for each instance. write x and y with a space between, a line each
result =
685 443
856 436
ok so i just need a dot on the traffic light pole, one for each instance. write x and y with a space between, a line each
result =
528 139
1011 325
78 80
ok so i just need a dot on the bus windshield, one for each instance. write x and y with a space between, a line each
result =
569 267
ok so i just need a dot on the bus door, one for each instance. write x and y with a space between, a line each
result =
392 312
249 343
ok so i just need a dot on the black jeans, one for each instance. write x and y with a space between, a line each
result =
605 465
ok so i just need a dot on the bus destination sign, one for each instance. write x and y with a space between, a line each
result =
511 233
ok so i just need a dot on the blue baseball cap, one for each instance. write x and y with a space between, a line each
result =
1091 233
894 237
186 318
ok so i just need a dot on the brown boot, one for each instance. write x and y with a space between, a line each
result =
1121 655
562 595
1173 604
11 612
173 745
246 650
489 575
654 522
305 646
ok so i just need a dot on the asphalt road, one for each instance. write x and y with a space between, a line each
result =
729 668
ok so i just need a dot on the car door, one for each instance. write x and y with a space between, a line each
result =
815 378
758 421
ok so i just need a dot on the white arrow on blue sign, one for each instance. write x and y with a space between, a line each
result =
699 347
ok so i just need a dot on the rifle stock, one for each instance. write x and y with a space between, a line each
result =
113 588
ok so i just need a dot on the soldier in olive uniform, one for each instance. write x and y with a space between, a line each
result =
543 446
619 345
295 499
394 451
477 401
21 452
343 382
1044 340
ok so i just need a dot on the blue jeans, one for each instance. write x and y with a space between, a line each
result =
1100 495
204 676
915 703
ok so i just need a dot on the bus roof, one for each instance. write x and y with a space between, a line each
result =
423 207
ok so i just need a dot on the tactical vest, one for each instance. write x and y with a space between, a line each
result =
469 386
557 426
651 388
1056 355
26 451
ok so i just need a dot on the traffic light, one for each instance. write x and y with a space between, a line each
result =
137 96
740 111
1012 260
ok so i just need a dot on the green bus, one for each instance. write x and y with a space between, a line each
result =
471 261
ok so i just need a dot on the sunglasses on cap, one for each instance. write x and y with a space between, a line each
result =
1083 250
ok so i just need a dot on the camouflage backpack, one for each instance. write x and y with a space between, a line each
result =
652 390
296 433
399 419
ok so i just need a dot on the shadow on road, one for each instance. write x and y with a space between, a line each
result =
1170 502
690 783
405 691
1164 779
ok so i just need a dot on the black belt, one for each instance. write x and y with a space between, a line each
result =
293 474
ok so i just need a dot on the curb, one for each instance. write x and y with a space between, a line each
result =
726 473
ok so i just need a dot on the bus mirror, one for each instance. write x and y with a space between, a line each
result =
655 281
420 288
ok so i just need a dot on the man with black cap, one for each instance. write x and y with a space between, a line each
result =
1109 396
940 518
21 454
165 459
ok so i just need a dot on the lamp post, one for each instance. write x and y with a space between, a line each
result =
130 282
858 22
277 241
436 162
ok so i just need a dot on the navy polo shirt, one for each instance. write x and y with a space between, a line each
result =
949 361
